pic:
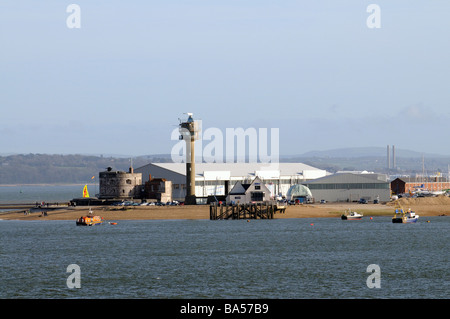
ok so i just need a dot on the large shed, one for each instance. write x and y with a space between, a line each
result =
217 179
349 187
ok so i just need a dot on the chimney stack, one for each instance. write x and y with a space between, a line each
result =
393 157
389 157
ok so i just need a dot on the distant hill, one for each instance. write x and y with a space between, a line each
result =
367 152
373 159
53 169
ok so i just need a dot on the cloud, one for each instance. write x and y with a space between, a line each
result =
418 112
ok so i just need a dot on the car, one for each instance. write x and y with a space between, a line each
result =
362 201
117 204
323 201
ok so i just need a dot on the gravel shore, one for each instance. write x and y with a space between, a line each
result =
422 206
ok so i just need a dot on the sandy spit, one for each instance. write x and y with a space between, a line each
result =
425 207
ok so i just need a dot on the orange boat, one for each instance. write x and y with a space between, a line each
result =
89 220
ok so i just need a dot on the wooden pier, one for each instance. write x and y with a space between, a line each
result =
263 210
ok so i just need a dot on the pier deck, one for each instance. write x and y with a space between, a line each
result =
263 210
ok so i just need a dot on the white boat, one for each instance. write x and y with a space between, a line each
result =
403 218
351 216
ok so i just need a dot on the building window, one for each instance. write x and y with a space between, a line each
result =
257 196
257 187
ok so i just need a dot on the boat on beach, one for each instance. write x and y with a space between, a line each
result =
351 216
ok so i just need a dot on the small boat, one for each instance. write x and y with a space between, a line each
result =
401 217
89 220
351 216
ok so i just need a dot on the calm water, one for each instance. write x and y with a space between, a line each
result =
286 258
40 193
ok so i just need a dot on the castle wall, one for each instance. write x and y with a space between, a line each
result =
120 185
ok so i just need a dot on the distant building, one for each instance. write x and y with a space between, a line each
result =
119 185
254 192
219 178
403 185
159 189
348 187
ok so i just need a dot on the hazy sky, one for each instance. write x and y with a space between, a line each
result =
313 69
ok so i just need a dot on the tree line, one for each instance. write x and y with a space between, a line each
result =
53 168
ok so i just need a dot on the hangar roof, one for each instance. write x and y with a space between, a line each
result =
213 171
351 178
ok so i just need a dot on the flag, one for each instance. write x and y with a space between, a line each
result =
85 191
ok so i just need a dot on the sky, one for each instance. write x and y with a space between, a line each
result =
119 82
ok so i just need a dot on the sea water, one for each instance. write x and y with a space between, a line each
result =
29 194
279 258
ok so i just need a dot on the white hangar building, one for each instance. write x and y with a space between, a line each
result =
219 178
